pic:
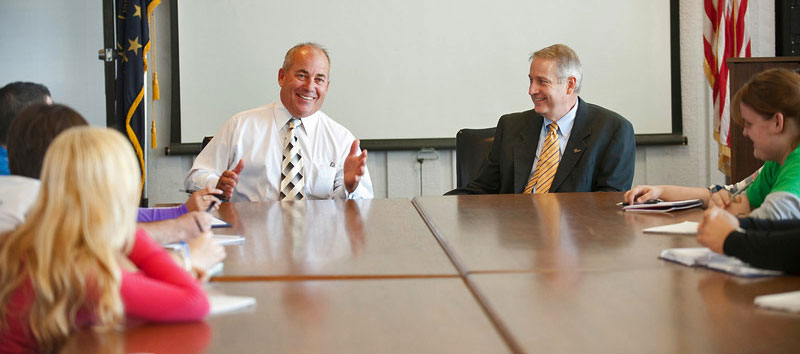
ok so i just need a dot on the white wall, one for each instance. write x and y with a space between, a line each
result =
55 42
396 174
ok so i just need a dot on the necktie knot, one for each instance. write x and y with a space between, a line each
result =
294 122
553 127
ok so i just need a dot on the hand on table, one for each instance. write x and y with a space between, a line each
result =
205 252
715 227
641 194
202 199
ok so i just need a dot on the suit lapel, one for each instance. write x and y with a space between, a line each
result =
525 150
576 145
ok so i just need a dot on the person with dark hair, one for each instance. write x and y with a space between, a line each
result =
563 144
33 131
30 135
14 98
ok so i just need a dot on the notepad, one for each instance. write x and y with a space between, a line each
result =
782 302
226 303
704 257
664 207
226 240
681 228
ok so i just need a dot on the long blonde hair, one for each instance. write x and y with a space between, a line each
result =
68 247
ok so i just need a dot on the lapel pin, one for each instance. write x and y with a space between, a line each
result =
576 150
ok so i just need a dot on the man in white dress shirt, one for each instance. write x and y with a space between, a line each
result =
245 159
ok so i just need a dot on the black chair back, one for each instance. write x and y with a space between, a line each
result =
472 148
205 142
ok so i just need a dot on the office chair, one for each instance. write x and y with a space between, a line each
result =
205 142
472 147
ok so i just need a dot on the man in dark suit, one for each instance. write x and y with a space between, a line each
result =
563 144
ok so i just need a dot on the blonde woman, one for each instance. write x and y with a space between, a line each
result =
60 270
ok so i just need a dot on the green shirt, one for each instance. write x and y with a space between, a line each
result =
776 178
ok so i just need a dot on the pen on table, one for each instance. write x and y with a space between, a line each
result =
191 191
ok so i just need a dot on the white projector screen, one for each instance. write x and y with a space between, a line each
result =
416 69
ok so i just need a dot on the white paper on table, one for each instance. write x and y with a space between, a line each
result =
227 303
226 240
215 222
681 228
783 301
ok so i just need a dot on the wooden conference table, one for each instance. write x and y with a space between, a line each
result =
556 273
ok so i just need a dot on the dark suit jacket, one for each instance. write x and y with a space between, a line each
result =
599 155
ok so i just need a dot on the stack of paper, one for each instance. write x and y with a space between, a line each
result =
704 257
783 302
664 207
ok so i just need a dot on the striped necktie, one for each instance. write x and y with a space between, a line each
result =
292 185
548 163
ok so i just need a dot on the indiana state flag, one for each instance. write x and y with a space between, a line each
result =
133 42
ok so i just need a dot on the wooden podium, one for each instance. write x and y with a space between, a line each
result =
743 163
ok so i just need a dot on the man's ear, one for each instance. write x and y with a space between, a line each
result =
571 83
281 77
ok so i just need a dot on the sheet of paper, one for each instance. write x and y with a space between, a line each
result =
215 222
783 301
681 228
226 240
227 303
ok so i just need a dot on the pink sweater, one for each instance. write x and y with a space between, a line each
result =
160 292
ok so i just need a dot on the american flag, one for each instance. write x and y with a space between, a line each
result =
724 36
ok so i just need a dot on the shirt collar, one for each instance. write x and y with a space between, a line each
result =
282 116
564 123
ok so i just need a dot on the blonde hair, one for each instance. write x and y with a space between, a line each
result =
68 247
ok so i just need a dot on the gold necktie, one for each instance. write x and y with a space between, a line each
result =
548 163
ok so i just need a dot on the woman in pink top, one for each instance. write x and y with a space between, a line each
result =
63 268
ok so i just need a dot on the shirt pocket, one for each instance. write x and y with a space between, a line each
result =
322 187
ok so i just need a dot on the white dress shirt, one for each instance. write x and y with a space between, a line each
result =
565 124
256 136
17 195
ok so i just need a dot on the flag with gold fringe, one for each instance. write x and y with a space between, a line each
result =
724 36
133 43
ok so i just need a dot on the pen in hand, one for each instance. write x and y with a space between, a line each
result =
197 222
219 196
